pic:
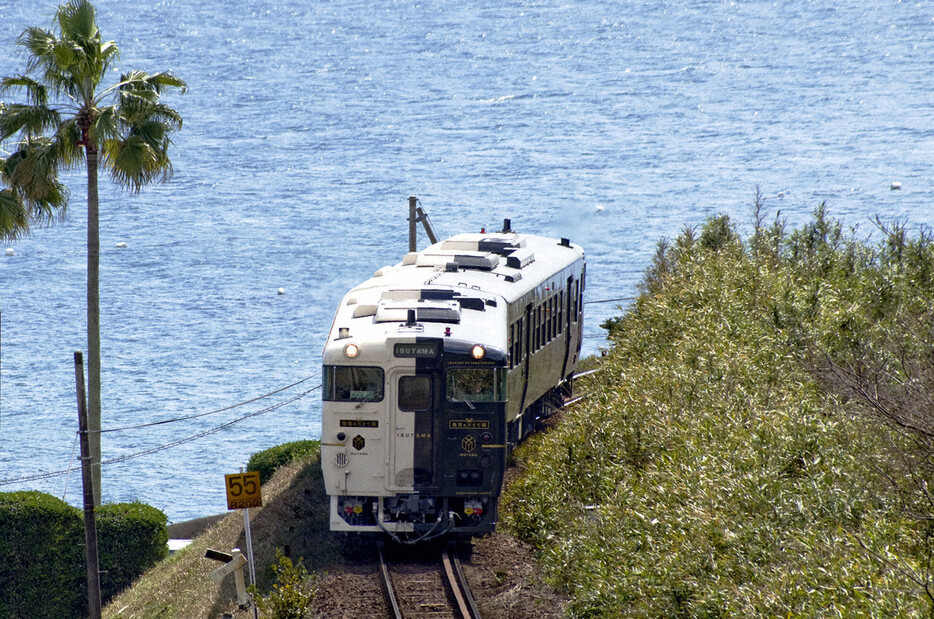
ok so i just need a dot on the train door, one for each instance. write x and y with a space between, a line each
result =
413 458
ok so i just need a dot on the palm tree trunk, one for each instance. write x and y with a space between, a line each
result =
94 324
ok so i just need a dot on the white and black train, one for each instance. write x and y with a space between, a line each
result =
434 368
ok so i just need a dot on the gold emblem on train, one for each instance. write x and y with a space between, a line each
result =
469 443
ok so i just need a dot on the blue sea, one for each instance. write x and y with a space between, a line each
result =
308 124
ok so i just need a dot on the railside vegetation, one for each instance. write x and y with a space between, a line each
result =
43 571
292 523
268 461
758 438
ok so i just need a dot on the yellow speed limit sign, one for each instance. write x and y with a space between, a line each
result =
243 490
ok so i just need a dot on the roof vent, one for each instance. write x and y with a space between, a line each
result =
520 259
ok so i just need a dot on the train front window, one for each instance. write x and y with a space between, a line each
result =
346 383
471 385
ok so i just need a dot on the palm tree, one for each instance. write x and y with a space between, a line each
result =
69 119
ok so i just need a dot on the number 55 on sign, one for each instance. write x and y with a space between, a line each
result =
243 490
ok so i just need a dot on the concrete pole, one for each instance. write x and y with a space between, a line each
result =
90 524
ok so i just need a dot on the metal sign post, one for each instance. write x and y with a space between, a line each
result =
243 492
249 535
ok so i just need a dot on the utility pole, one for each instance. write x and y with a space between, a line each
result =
416 215
413 224
90 523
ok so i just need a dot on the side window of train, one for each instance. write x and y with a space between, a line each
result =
538 327
414 393
552 318
561 311
546 320
583 285
512 345
520 342
546 326
533 330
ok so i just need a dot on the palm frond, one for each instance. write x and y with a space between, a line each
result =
76 20
134 162
14 216
161 81
105 125
31 178
68 139
36 92
139 85
39 43
81 56
30 120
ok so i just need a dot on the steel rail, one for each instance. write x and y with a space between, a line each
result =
472 611
387 587
456 585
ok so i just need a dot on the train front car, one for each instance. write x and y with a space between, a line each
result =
415 421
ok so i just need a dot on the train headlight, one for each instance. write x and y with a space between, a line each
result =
351 350
478 351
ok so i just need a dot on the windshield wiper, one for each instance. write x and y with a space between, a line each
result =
370 397
463 396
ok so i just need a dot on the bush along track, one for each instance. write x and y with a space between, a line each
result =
758 438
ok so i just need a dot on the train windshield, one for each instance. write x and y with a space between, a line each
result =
471 385
344 383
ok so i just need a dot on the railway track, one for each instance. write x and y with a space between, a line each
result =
426 587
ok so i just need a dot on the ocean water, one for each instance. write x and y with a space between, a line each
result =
307 126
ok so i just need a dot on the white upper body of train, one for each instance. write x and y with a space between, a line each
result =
434 367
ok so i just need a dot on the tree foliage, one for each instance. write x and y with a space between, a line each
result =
69 118
756 442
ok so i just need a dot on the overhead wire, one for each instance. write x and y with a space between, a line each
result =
611 300
196 415
214 430
187 439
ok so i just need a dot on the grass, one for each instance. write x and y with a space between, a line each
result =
293 519
714 472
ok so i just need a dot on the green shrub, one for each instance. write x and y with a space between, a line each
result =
267 461
132 537
717 469
42 566
292 593
43 561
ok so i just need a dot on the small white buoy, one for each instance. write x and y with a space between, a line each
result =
9 251
282 291
895 185
121 245
600 208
